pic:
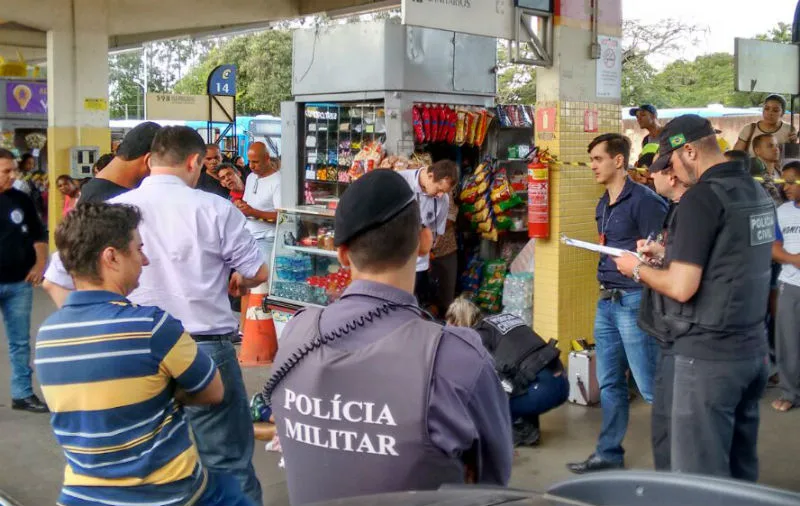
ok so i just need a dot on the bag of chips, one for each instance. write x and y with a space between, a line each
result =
471 278
461 127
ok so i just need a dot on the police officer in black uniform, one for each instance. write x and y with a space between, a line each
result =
368 394
714 292
528 366
23 256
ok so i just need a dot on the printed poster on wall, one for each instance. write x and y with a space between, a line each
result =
609 67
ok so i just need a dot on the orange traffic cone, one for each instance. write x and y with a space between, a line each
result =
259 343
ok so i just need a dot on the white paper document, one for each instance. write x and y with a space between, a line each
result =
599 248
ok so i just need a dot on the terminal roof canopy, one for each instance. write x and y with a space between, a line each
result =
132 22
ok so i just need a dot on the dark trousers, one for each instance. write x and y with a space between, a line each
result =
444 273
715 416
662 410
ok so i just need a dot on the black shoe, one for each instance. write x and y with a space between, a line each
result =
526 432
592 464
32 404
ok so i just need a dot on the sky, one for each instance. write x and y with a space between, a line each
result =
724 19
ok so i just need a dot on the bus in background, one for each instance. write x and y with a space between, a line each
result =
249 129
263 128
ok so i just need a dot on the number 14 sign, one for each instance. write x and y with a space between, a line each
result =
222 81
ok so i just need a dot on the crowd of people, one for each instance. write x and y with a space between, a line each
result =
373 394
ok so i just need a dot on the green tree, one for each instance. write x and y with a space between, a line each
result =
706 80
516 84
166 63
637 78
125 96
641 42
782 32
264 64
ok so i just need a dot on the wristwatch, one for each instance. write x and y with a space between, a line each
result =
636 276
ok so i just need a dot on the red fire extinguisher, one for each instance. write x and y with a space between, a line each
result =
538 199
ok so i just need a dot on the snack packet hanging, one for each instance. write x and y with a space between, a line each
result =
419 132
426 122
461 127
452 119
472 125
435 110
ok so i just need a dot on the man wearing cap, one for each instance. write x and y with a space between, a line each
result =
125 172
647 117
671 188
371 396
128 167
714 292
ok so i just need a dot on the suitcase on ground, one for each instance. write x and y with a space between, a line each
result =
583 387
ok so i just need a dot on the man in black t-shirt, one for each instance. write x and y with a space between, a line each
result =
715 290
123 173
127 169
23 255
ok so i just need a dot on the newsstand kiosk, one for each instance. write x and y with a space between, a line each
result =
356 88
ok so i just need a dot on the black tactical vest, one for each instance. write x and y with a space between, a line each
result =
519 353
735 285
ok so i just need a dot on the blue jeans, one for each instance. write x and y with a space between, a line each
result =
224 432
16 301
223 490
621 345
546 393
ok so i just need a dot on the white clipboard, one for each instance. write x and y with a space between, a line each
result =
599 248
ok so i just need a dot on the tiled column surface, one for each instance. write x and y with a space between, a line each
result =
566 289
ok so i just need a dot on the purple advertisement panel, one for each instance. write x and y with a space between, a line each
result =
26 97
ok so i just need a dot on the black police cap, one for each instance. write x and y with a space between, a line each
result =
681 130
369 202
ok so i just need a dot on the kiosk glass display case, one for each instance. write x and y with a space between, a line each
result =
304 268
332 136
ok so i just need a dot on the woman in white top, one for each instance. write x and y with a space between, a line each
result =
771 123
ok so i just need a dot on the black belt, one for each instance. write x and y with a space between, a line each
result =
613 294
203 338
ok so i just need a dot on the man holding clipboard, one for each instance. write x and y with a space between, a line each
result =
713 295
627 212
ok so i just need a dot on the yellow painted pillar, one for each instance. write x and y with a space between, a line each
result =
565 285
77 87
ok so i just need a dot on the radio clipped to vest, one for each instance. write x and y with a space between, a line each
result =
359 322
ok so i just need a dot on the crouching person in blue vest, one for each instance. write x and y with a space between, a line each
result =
117 375
530 368
369 395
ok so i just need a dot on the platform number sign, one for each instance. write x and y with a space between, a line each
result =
222 81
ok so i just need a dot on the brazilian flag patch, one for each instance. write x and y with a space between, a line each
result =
677 140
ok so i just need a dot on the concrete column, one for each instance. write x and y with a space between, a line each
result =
77 59
566 289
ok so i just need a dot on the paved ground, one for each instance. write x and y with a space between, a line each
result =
32 464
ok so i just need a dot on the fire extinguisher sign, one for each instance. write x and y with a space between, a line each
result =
545 119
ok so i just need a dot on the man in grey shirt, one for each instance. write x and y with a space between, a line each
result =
381 399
